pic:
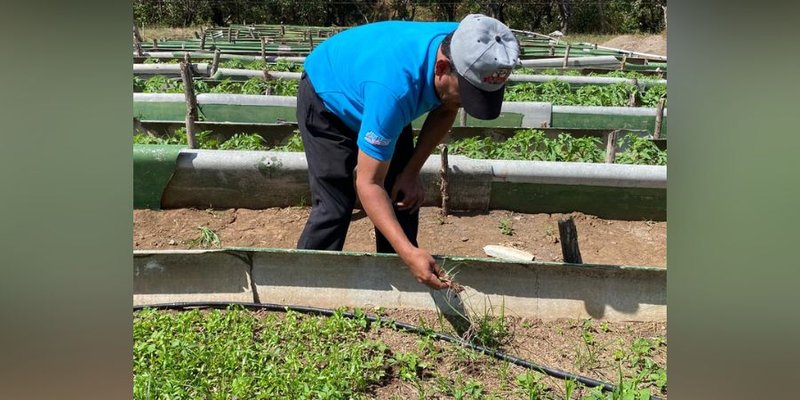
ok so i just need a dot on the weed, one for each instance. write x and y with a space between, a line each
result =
206 239
506 226
531 385
410 366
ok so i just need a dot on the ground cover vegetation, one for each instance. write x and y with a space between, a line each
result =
235 353
555 92
526 144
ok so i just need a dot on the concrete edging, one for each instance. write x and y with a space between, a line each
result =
335 279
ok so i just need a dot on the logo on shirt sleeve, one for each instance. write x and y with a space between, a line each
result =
375 139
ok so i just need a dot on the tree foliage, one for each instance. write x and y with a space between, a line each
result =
596 16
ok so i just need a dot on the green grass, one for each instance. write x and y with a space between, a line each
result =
238 354
235 353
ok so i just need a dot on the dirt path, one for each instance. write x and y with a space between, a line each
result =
464 234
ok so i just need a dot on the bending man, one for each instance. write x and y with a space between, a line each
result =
360 92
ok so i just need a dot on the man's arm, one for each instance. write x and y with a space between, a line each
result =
375 200
437 124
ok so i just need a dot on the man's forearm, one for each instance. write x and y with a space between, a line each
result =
435 128
378 207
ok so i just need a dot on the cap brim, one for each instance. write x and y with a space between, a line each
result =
480 103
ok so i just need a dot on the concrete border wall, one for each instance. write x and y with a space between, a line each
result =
334 279
263 179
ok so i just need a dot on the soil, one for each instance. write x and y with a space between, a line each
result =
557 344
601 241
653 44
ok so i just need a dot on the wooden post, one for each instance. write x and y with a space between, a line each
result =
191 100
264 49
137 41
659 117
462 117
634 93
215 62
569 241
566 56
202 39
155 44
444 182
136 34
310 41
229 33
624 60
267 78
283 30
552 50
611 146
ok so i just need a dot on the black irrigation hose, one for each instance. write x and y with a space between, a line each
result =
557 373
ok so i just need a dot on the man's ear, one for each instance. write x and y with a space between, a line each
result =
442 67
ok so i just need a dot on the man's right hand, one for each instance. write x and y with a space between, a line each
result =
424 268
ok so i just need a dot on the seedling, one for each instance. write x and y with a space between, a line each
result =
506 226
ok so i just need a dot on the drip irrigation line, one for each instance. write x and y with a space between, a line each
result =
554 372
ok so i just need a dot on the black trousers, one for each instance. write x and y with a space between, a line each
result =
331 151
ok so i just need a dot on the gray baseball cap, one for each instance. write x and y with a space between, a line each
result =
484 51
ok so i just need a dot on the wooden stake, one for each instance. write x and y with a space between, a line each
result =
566 56
229 33
569 241
264 49
611 146
552 50
267 77
215 62
136 34
659 117
155 44
443 171
191 100
462 117
137 41
202 39
634 93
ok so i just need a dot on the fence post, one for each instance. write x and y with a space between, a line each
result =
215 62
659 117
566 56
569 241
611 146
191 100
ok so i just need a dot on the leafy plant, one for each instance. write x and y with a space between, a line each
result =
162 84
640 150
255 85
531 385
293 143
243 141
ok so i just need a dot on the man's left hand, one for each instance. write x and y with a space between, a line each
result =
413 192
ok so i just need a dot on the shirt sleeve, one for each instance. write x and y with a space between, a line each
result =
382 122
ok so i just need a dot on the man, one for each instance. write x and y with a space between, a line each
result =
360 92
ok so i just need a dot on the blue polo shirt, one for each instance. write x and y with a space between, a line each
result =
378 77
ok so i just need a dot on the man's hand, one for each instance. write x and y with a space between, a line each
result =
410 185
424 268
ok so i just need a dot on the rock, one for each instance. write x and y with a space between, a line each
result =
172 242
507 253
464 239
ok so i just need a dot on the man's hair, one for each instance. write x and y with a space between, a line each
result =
446 46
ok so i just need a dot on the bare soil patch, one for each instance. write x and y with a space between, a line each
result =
602 241
653 44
